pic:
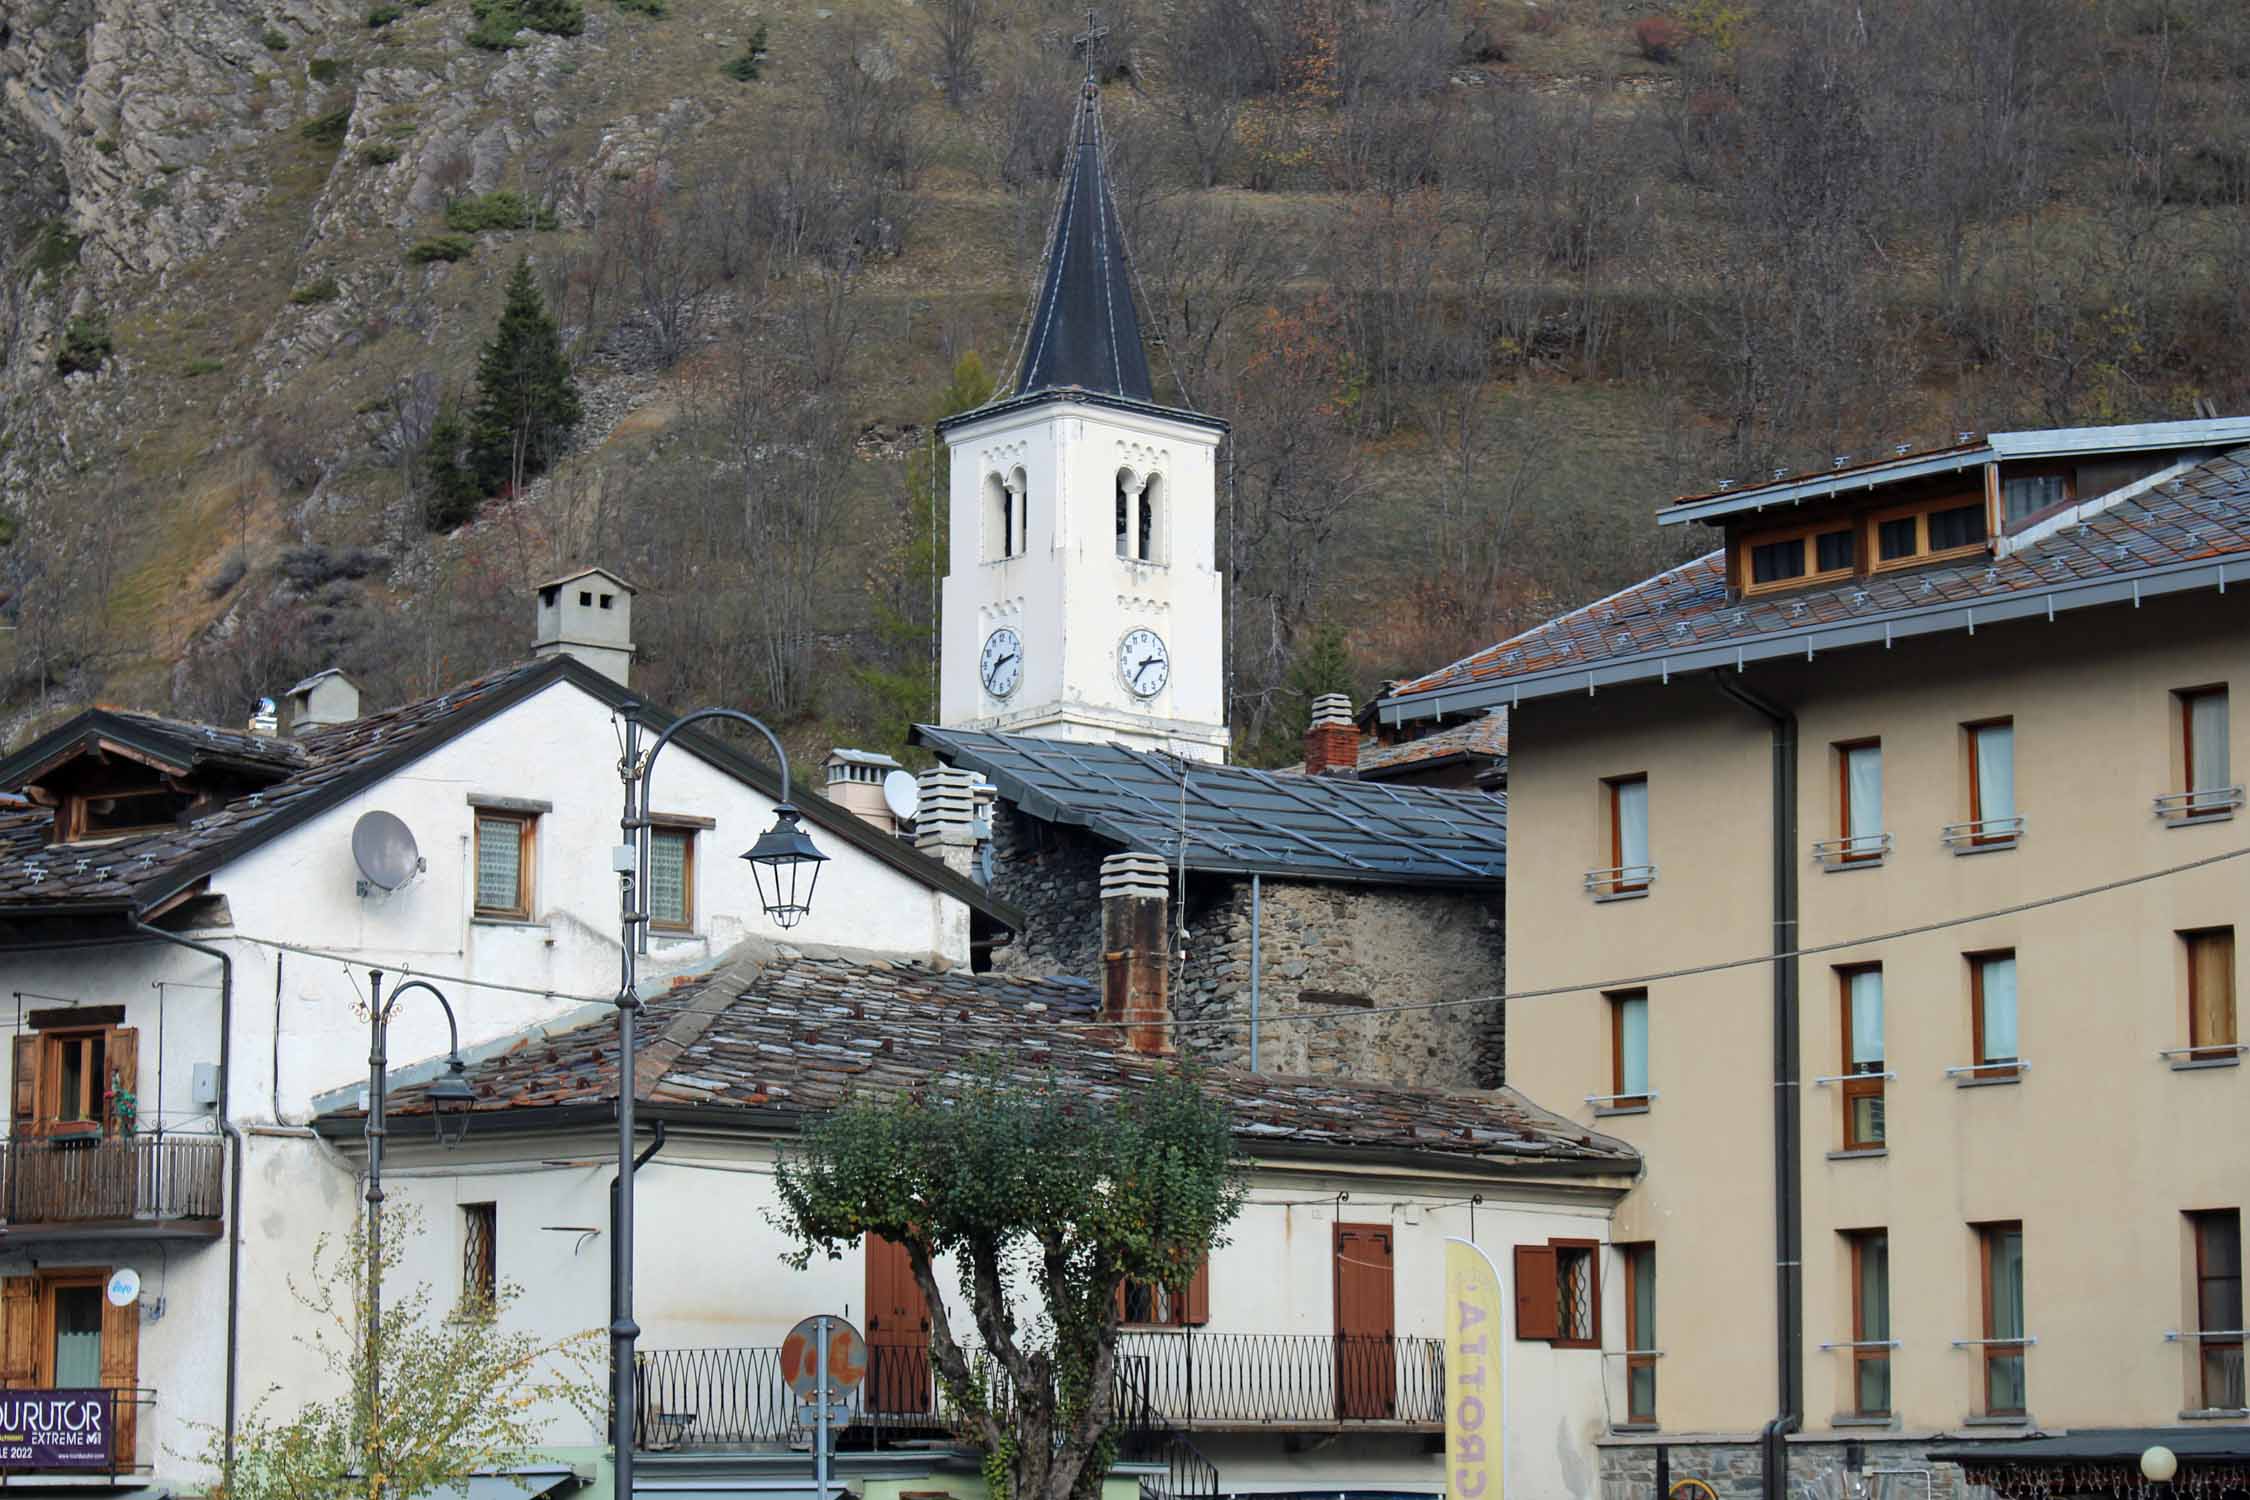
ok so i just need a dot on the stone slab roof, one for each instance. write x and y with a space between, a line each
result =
1240 820
2181 534
1484 738
778 1032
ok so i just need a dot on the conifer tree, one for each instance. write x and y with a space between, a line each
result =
527 402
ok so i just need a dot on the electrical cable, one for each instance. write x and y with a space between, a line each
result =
1546 992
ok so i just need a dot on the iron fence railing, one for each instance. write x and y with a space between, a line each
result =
68 1180
1167 1382
1287 1379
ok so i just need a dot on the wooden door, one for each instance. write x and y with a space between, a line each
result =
898 1331
1366 1366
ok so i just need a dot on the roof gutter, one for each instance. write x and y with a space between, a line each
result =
1788 1123
1886 629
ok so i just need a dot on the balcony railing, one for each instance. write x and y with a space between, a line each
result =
105 1441
111 1183
2195 806
1166 1381
1303 1380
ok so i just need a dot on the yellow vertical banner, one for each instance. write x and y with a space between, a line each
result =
1473 1342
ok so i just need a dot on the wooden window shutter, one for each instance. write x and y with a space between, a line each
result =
1538 1309
1198 1311
121 1054
19 1331
121 1373
25 1120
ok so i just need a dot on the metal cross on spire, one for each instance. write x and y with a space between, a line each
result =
1091 40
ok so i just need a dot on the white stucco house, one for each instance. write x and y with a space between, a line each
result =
1307 1359
186 941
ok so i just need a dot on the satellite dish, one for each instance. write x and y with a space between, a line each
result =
124 1287
383 847
902 795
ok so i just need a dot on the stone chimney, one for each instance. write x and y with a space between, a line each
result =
589 615
1332 743
855 784
1137 951
945 823
321 701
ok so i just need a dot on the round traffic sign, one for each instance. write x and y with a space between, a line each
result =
800 1358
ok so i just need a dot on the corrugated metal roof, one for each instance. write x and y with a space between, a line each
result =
1241 820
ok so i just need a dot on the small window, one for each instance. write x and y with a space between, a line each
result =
1558 1298
2000 1254
2210 976
1992 783
2218 1308
480 1254
1896 539
605 601
1772 562
1863 1058
1640 1332
1834 551
2204 751
1860 782
1992 1014
671 879
2021 499
78 1337
1627 798
504 864
1871 1322
1628 1048
1150 1304
585 598
81 1077
1962 526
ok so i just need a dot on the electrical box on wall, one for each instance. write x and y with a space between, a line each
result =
204 1087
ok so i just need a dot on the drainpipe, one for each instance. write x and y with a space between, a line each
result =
1788 1132
234 1178
1257 914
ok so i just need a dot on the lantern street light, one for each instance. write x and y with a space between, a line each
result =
2159 1464
784 868
450 1098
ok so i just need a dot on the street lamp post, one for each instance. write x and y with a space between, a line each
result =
450 1098
782 859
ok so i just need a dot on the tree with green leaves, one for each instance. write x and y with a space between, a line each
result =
1046 1194
461 1392
527 402
904 588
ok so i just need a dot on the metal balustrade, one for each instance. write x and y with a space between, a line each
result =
1168 1382
76 1181
2190 807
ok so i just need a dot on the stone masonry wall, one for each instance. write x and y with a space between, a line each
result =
1817 1471
1329 952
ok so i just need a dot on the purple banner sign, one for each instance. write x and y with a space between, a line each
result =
55 1429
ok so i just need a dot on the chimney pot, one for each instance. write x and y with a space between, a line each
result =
945 823
1136 951
855 783
1332 742
589 615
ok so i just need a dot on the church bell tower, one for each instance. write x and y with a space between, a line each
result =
1082 600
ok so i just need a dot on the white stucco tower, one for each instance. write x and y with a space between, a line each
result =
1082 598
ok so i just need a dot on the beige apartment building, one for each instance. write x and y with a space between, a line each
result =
1947 1200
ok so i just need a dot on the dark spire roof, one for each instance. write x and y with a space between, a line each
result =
1084 331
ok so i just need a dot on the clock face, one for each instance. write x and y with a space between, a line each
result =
1001 667
1143 664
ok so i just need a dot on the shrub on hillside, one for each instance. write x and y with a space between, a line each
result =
1659 39
323 290
382 16
498 21
203 365
329 129
232 568
273 40
642 7
85 345
453 493
446 247
324 70
744 69
1541 20
501 209
378 153
306 569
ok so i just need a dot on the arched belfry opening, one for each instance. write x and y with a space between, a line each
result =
999 518
1136 516
1019 508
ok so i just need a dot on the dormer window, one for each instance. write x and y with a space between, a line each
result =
1923 533
1802 554
112 815
1852 543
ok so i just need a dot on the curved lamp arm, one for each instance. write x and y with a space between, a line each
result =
646 774
453 1027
